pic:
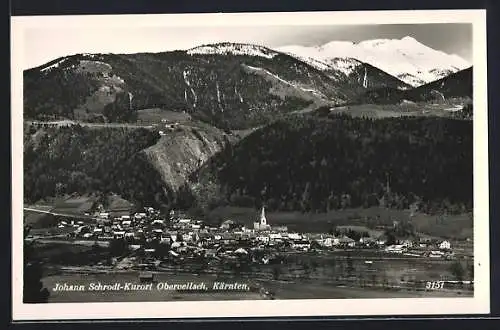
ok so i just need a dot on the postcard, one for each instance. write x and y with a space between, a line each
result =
250 165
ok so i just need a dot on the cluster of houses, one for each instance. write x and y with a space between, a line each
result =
181 233
167 127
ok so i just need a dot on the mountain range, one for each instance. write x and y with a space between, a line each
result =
406 59
230 85
234 89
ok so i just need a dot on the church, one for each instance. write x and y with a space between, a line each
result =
262 223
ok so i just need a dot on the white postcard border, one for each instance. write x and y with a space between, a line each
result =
479 304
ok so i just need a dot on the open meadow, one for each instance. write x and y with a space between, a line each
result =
379 111
451 226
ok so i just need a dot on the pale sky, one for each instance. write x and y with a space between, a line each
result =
42 45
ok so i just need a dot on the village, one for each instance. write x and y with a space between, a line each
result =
180 235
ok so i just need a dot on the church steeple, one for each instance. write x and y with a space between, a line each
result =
263 220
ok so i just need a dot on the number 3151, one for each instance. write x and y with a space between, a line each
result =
436 285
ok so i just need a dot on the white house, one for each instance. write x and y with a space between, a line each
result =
275 236
395 248
227 224
436 254
262 238
294 236
346 241
303 245
326 241
407 243
176 245
445 245
157 222
241 251
367 240
118 234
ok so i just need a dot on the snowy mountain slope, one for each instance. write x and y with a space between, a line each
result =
346 71
406 58
227 48
351 71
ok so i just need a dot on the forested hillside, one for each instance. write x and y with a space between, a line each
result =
456 85
80 160
317 164
226 90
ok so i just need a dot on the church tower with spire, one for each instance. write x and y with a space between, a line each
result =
261 224
263 220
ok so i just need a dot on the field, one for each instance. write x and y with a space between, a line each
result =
398 110
451 226
118 206
155 115
74 205
36 215
38 219
65 204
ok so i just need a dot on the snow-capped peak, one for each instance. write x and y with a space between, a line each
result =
320 65
54 65
408 38
405 58
228 48
344 64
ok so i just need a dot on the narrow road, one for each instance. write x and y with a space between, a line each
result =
95 125
73 242
76 216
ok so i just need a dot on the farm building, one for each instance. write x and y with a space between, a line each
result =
445 245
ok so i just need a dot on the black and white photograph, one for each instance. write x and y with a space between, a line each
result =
250 164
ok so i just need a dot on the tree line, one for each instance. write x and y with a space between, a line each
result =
318 164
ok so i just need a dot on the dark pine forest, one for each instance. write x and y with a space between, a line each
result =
316 164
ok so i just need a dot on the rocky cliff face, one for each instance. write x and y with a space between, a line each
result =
179 155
